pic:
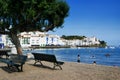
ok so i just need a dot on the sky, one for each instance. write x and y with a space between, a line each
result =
99 18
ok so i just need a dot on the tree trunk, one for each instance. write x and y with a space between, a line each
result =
15 40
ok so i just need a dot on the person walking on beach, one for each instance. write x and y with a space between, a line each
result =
78 60
94 62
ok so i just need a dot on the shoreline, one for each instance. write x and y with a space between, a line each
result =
30 56
71 71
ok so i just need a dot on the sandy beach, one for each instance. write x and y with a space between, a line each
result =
71 71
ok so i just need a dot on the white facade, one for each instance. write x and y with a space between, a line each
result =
2 41
91 41
28 39
85 42
36 38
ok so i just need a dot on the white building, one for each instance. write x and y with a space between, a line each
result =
36 38
91 41
85 42
2 41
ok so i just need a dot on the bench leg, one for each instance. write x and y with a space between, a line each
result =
22 68
19 69
15 66
9 66
55 64
38 61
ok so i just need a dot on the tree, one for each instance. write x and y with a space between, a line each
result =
71 37
103 43
17 16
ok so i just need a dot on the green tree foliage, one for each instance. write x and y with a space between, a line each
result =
103 43
31 15
72 37
27 15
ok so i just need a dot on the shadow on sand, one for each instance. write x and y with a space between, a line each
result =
43 66
9 70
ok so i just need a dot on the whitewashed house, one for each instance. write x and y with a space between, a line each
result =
85 42
36 38
2 41
91 41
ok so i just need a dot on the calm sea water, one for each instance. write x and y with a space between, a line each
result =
87 55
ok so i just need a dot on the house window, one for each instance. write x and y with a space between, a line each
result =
26 40
0 38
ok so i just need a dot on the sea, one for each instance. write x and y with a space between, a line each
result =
102 56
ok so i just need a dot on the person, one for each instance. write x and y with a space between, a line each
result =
78 58
94 62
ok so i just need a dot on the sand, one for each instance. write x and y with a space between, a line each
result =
71 71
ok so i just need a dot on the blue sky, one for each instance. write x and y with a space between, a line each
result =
99 18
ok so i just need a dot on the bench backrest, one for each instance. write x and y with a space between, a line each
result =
3 53
44 57
18 58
